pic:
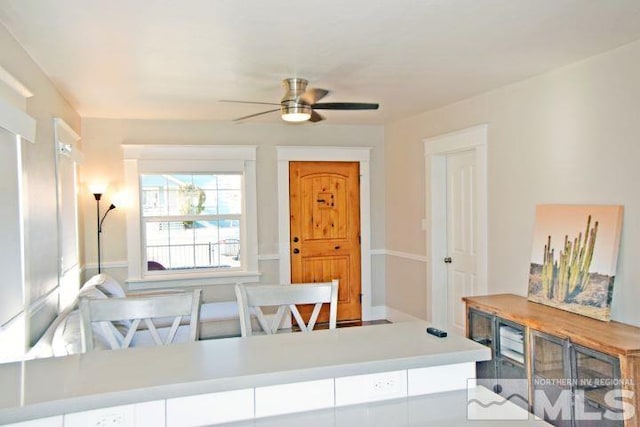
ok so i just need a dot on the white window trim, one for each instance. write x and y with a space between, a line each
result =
66 140
14 334
147 158
17 122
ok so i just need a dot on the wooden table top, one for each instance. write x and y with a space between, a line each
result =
610 337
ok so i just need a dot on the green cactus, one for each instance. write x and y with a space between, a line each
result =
548 270
564 279
581 261
563 270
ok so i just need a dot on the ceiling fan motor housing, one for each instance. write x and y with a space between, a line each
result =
291 105
294 88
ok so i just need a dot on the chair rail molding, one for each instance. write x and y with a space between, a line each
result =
406 255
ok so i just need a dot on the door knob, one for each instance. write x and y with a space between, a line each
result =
448 260
296 251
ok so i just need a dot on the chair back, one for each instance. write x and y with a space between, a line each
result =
119 319
251 297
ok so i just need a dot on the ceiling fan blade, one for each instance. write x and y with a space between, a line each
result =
311 96
315 117
254 115
247 102
344 106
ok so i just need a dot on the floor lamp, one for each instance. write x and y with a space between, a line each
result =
99 222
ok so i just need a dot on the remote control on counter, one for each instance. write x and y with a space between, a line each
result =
437 332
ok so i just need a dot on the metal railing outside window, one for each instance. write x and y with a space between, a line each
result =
222 254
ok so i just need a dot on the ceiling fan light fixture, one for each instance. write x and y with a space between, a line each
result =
295 113
299 104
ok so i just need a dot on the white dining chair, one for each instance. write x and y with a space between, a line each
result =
252 297
125 322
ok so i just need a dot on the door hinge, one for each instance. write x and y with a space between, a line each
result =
360 298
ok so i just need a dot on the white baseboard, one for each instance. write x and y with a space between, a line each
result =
377 312
396 316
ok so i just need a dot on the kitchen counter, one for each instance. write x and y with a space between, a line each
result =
47 387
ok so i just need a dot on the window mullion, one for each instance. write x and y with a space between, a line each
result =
170 245
180 218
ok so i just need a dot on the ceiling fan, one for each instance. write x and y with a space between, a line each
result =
299 103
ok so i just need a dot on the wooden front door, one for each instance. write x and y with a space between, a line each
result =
325 230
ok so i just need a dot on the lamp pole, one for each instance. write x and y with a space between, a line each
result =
98 196
99 222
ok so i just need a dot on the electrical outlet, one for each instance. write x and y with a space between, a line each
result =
384 386
116 416
370 387
135 415
110 420
387 384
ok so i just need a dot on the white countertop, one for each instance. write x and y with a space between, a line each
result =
45 387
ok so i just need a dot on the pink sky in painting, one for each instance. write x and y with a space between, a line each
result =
561 220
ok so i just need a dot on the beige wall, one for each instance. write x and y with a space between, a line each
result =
41 238
103 160
568 136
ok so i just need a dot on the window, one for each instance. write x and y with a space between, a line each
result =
191 221
195 219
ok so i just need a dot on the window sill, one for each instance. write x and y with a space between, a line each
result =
180 280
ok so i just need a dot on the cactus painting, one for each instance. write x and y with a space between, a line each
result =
574 257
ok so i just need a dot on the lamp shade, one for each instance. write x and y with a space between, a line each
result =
98 187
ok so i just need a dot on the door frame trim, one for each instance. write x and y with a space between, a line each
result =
362 155
436 150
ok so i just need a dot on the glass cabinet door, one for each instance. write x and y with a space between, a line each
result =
481 331
481 327
596 388
551 379
511 362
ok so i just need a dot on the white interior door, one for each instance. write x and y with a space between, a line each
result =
461 259
456 205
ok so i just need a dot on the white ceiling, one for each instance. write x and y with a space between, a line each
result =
176 59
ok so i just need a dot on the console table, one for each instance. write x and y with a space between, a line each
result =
589 367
